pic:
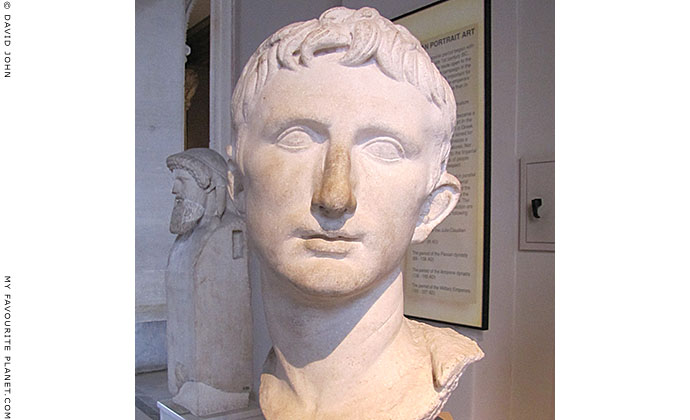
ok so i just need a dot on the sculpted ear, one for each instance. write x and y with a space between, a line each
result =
235 188
440 202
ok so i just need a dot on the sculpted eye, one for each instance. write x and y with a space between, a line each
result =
295 138
385 148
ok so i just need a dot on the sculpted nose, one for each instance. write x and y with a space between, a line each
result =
334 197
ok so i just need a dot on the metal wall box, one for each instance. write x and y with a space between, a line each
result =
537 205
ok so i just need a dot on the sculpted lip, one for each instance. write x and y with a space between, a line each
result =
329 242
331 238
327 235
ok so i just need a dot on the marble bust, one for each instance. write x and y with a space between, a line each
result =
209 323
343 133
200 179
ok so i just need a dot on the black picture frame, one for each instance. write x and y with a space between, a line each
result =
483 316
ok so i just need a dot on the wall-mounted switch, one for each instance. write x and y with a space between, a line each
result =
537 205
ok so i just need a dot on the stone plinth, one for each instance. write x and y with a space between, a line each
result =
171 411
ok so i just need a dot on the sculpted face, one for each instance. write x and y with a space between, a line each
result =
189 203
338 163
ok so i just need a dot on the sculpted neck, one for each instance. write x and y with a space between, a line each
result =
209 218
326 349
355 357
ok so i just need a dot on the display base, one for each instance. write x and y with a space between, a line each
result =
171 411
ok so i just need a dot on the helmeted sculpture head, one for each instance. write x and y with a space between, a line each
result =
199 187
344 128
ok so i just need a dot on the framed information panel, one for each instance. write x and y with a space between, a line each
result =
447 276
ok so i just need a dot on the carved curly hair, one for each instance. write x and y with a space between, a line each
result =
364 35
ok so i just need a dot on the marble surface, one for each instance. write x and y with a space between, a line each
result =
151 346
344 129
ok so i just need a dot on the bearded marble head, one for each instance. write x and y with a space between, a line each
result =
199 186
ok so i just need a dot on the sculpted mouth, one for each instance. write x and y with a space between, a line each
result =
331 238
329 243
327 235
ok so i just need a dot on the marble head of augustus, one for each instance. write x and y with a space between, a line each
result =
199 185
343 133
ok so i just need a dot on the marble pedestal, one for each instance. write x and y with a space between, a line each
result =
171 411
209 319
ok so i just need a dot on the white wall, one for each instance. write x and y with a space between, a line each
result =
160 34
388 8
533 352
515 379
